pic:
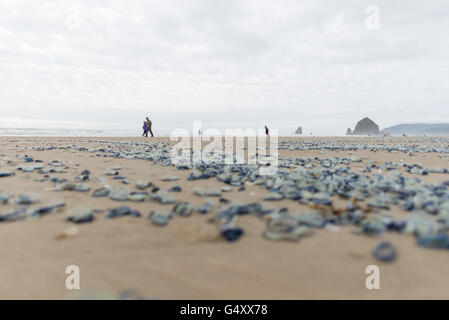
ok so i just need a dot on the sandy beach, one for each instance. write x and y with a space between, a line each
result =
188 258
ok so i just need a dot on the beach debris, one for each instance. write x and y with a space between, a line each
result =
175 189
205 208
418 171
385 252
26 199
40 211
372 225
144 184
162 197
421 225
183 209
273 196
437 170
370 188
138 196
80 214
6 174
111 172
120 194
159 218
4 198
14 215
84 176
66 186
229 229
437 241
213 192
198 175
285 228
82 187
122 211
311 218
231 234
56 179
226 189
170 178
235 209
102 192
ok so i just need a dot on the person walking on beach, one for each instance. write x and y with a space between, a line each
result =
149 123
145 131
267 131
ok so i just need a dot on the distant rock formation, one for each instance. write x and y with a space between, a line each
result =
348 132
366 127
418 129
299 130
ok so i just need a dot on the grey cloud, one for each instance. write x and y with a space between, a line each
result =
228 63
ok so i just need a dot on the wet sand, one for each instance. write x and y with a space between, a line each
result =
188 259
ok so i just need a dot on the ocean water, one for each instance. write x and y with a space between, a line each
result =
32 132
38 132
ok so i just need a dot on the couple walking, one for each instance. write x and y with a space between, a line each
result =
147 128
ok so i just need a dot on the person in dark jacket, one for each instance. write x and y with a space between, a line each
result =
149 124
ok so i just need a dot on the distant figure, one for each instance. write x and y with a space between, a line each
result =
149 124
200 133
145 131
267 131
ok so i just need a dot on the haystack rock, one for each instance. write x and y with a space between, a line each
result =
348 132
366 127
299 130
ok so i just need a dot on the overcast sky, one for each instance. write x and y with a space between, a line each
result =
231 64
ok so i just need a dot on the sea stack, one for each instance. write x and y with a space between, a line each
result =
366 127
348 132
299 130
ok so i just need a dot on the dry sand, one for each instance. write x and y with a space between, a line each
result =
187 259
